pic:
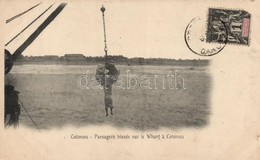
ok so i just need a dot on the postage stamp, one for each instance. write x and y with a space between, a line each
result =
231 24
195 38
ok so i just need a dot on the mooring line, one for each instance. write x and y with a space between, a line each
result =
38 31
29 115
28 25
20 14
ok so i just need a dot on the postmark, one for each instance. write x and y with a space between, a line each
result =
195 38
237 24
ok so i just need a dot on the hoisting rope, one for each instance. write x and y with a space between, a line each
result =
104 26
28 25
20 14
29 115
38 31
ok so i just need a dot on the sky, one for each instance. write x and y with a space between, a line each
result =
134 29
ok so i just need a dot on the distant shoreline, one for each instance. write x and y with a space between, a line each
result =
174 63
80 59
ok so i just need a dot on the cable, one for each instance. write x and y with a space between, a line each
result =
28 25
29 115
18 15
104 27
38 31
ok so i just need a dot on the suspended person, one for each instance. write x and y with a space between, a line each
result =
107 80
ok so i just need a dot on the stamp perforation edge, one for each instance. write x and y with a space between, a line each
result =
232 9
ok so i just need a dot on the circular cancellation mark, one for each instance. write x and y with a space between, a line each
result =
195 38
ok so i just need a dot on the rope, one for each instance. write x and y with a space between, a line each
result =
18 15
29 115
38 31
105 37
28 25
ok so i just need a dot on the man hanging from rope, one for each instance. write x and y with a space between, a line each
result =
110 79
107 80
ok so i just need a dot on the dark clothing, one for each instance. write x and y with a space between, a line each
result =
111 69
107 80
110 79
108 96
112 74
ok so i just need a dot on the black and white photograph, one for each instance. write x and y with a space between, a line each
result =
116 86
147 79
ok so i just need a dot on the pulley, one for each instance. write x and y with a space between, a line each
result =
8 61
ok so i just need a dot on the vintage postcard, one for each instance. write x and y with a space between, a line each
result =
130 80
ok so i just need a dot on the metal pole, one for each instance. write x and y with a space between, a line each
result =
104 26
